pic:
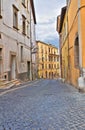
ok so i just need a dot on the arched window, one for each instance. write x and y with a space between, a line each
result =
76 49
46 74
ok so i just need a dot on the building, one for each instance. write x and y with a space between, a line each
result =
17 39
48 60
75 39
62 29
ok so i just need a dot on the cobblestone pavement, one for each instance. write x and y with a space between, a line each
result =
43 105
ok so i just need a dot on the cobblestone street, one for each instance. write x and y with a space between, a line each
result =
43 105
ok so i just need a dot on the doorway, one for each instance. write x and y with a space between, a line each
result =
28 70
0 62
13 67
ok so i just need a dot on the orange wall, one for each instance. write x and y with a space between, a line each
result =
73 29
82 13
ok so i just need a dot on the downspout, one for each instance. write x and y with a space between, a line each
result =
80 39
30 47
81 79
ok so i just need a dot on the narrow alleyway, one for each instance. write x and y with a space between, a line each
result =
43 105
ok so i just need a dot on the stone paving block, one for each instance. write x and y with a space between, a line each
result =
51 105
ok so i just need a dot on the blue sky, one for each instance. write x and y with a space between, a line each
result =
46 15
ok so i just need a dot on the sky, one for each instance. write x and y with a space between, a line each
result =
46 12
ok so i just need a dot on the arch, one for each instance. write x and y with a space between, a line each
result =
76 51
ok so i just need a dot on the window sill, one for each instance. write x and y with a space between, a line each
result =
24 33
0 36
15 28
28 37
24 5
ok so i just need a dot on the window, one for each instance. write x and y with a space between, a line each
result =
0 35
42 66
49 66
1 60
28 29
42 58
46 74
28 5
51 58
23 25
49 50
21 53
0 54
15 17
42 50
54 52
54 59
52 66
57 58
45 50
76 49
57 66
46 66
68 2
0 9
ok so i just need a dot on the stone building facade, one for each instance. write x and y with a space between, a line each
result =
62 29
17 36
72 21
48 60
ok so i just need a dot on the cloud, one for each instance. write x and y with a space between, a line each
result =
46 15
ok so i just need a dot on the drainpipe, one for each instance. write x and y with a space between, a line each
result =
80 39
81 79
30 47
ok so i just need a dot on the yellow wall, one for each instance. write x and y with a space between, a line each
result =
75 19
43 51
65 60
70 72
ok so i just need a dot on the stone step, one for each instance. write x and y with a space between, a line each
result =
17 82
2 80
7 84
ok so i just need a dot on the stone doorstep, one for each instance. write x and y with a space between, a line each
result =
2 80
9 84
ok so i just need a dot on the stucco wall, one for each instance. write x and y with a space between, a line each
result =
13 39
